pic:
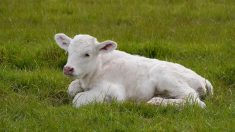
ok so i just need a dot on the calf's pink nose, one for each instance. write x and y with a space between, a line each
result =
68 70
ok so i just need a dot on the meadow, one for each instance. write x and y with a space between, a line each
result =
199 34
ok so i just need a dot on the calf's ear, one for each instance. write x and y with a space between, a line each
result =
106 46
62 40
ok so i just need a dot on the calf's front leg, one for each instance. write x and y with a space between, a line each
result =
74 88
102 93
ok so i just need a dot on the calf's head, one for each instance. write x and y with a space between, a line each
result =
83 52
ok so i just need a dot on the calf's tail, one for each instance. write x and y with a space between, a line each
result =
209 88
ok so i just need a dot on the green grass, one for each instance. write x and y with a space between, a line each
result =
199 34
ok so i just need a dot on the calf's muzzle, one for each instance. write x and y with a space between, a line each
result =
68 70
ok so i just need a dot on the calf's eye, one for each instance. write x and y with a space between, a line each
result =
86 55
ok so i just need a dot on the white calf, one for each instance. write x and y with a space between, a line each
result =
105 74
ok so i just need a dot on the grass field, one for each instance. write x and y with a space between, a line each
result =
200 34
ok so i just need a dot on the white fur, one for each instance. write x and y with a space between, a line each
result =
105 74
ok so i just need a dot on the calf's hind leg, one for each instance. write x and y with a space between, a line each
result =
189 95
177 102
165 102
178 94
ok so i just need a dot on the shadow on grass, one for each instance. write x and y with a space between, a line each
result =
59 98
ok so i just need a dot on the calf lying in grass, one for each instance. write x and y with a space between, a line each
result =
103 73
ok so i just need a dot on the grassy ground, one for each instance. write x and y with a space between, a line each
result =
199 34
